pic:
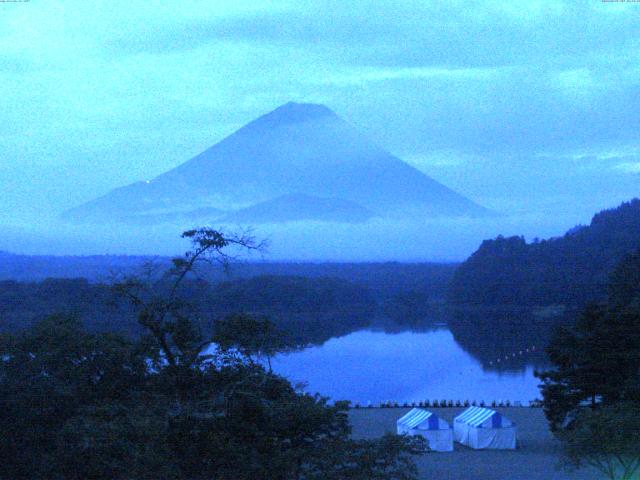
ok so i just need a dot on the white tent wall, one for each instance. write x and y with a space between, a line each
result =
493 438
436 431
438 440
482 428
461 433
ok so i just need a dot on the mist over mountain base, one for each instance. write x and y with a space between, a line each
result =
439 239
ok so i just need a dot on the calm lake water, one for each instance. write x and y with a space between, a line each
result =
370 366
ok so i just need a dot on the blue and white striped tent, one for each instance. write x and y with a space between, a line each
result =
435 430
479 427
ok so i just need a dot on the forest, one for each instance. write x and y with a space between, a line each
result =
301 299
511 295
82 405
571 270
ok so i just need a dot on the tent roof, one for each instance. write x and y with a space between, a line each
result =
415 417
475 416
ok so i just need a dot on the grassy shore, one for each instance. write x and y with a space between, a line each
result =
538 457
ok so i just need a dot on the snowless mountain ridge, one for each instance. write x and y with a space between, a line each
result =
298 162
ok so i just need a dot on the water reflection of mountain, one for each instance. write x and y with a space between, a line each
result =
430 316
506 338
311 310
374 366
501 338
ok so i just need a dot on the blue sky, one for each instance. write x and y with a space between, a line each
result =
527 107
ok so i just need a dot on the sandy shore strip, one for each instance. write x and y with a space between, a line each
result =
538 457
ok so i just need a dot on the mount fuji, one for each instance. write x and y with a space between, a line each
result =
298 162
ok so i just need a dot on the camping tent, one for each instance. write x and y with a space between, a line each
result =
479 427
427 424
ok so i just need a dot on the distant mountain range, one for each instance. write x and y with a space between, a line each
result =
298 162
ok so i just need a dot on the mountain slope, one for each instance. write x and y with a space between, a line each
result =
296 207
301 148
571 270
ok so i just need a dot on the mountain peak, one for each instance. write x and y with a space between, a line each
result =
293 112
300 147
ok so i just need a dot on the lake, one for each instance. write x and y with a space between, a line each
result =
374 366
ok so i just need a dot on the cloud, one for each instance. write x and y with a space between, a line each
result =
575 83
628 167
15 64
115 91
443 158
358 76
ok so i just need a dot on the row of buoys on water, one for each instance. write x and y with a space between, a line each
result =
448 404
514 355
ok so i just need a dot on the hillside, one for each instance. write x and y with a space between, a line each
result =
312 302
571 270
295 149
308 310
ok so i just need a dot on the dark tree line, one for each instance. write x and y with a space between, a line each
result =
592 395
78 405
382 279
510 294
572 270
310 310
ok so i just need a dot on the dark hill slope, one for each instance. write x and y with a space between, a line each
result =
570 270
